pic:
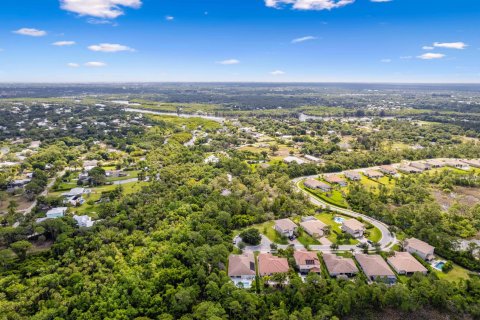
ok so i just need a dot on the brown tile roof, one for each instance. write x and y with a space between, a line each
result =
241 265
404 261
374 173
268 264
334 179
419 245
312 183
374 265
387 168
301 258
353 224
339 265
313 226
285 224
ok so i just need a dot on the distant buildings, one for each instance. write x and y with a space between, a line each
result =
373 174
334 179
315 184
211 159
388 170
84 221
291 159
353 175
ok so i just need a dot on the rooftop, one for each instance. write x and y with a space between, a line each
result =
269 264
374 265
339 265
241 265
404 261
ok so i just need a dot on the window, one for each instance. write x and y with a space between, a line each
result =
310 262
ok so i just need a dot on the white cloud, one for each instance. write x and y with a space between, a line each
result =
108 9
31 32
277 73
431 56
63 43
450 45
169 18
73 65
303 39
95 64
229 62
386 60
309 4
109 47
427 48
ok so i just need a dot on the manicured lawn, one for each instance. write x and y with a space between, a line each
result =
368 183
327 218
267 229
457 273
387 181
129 175
375 234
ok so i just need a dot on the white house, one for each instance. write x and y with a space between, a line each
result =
84 221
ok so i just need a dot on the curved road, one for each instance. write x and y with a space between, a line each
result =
386 242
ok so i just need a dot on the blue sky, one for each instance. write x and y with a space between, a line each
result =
240 40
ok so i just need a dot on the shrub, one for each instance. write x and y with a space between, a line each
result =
251 236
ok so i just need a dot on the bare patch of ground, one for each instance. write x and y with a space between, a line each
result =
463 195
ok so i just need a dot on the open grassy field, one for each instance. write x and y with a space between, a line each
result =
189 123
457 273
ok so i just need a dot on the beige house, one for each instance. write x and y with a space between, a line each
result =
373 174
314 227
423 249
334 179
241 269
388 170
269 264
375 268
307 261
405 263
285 227
339 266
353 227
315 184
421 166
353 175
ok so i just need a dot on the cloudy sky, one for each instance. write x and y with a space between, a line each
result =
240 40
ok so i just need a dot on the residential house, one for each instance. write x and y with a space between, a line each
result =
409 169
315 184
286 227
353 227
314 227
334 179
115 174
353 175
269 264
339 266
291 159
373 174
455 163
375 268
211 159
388 170
307 261
421 248
421 165
406 264
56 212
473 163
241 269
89 165
434 163
313 159
83 221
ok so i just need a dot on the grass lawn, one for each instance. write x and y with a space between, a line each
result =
387 181
130 175
267 229
327 218
457 273
368 183
375 234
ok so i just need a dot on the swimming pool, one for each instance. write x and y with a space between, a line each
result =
439 265
338 220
